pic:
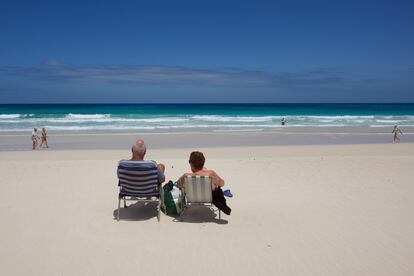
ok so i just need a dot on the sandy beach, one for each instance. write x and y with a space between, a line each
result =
297 210
304 109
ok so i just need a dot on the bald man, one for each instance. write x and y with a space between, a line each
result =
139 149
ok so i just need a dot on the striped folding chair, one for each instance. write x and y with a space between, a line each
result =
197 191
139 181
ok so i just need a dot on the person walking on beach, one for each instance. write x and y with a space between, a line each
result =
35 138
44 138
396 131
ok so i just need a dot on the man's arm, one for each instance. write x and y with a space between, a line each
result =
161 176
160 171
180 181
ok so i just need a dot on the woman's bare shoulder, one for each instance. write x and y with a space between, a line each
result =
210 171
187 174
207 172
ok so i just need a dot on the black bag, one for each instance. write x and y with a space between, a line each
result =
220 201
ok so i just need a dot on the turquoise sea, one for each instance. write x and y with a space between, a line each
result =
91 118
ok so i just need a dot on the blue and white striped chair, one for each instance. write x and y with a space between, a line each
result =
197 191
139 181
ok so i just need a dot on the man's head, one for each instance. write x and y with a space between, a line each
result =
196 161
138 150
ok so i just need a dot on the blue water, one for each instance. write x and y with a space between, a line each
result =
196 117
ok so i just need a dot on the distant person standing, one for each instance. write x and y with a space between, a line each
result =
44 138
283 121
396 131
35 138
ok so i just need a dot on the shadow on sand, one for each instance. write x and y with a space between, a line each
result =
138 211
200 214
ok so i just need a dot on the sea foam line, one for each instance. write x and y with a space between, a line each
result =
87 116
14 116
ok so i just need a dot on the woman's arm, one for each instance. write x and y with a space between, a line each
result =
217 180
180 182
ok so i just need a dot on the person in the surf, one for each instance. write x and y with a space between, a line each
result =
396 131
283 121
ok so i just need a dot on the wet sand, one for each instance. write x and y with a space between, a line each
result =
209 139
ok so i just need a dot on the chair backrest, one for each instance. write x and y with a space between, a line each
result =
138 178
198 189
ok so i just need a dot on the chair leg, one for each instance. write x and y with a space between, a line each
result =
183 209
159 210
219 215
125 206
119 207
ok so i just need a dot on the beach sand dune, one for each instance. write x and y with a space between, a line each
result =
297 210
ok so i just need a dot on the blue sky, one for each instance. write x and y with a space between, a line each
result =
210 51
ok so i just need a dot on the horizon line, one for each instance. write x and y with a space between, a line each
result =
200 103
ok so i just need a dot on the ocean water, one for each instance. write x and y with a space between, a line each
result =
97 118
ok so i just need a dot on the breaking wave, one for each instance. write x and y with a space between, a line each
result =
73 122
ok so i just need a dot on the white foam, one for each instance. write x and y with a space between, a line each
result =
74 122
219 118
340 117
161 120
358 121
386 121
10 116
101 127
87 116
116 120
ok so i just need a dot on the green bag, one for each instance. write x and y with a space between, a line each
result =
172 203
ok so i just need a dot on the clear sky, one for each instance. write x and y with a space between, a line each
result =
206 51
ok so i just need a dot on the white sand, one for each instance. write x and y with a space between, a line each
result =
297 210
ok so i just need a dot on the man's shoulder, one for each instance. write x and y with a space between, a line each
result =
146 163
